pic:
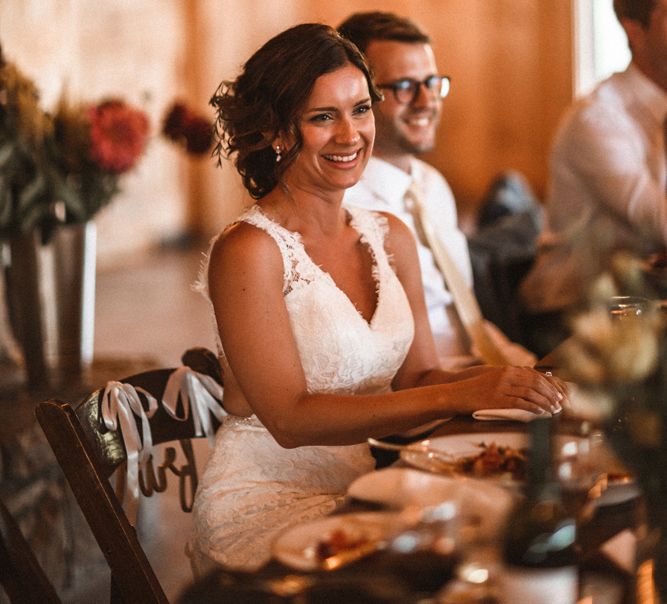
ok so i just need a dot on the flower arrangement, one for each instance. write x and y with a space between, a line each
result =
605 352
186 128
92 146
61 167
621 365
23 130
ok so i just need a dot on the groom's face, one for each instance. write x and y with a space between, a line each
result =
404 127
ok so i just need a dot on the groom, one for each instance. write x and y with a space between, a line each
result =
404 67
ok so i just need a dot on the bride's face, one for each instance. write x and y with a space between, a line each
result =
337 128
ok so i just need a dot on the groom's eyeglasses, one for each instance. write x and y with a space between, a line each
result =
406 89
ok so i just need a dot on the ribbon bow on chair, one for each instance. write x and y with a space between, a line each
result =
120 403
199 389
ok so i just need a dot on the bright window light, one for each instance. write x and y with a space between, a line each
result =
601 46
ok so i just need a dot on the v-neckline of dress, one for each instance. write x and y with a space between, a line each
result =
375 270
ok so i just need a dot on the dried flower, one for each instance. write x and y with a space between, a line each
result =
198 136
188 129
604 351
24 132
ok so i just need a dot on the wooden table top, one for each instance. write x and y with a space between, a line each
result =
17 403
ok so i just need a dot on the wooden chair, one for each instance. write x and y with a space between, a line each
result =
89 454
21 576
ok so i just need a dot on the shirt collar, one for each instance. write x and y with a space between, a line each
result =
649 94
388 181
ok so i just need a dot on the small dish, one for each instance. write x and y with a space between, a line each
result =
459 447
480 503
618 491
297 547
402 487
576 448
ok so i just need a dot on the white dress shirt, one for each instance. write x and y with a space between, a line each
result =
607 180
383 187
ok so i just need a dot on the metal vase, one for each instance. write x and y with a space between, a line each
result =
51 303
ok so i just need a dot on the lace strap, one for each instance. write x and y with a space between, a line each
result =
297 267
255 217
201 283
373 228
288 243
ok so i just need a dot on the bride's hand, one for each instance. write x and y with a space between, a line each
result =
510 387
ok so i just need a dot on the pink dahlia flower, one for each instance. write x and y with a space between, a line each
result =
118 135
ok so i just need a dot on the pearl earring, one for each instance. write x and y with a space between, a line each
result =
278 155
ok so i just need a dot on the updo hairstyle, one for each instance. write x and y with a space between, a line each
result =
266 100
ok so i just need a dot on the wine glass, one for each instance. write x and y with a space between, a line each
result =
582 464
478 562
425 554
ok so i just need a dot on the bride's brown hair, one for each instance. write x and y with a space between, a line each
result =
266 98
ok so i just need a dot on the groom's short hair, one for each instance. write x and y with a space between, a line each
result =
363 28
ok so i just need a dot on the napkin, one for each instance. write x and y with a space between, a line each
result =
517 415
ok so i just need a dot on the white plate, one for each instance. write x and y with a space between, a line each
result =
297 546
618 492
481 503
460 446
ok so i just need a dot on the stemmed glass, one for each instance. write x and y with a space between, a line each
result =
582 465
477 564
425 554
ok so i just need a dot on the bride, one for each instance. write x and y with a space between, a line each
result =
324 336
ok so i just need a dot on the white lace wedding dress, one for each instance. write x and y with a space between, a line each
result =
252 488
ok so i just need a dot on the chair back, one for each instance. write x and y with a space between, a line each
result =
89 453
21 576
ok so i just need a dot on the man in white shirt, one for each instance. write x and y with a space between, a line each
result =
607 173
404 68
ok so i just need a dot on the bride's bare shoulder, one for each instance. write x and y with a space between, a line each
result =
244 245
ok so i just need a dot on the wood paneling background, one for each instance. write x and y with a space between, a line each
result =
510 63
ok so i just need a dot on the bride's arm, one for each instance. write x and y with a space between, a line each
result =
245 282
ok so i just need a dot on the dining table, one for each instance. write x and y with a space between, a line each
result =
607 543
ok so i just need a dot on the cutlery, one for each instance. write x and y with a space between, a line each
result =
442 460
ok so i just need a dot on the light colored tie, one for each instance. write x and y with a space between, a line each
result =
464 299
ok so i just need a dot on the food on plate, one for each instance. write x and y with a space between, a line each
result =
338 541
495 459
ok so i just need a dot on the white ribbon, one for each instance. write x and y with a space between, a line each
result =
204 393
120 403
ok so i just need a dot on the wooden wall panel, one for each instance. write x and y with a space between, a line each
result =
511 79
510 62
